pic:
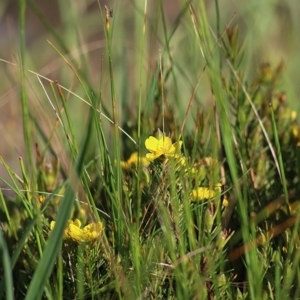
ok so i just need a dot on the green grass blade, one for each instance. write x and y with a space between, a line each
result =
279 155
24 102
7 270
54 242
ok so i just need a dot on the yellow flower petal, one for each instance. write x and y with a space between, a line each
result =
225 202
134 160
77 223
92 231
295 131
181 160
74 231
161 146
202 193
124 165
164 144
151 144
174 149
152 156
52 224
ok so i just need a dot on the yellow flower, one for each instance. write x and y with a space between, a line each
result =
202 193
74 231
161 146
52 224
41 199
295 131
293 115
181 160
134 160
225 202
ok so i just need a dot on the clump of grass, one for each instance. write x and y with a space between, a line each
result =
145 208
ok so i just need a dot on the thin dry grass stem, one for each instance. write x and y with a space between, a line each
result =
263 238
149 217
52 105
195 24
64 58
202 72
53 130
220 153
191 101
141 70
73 54
273 206
71 272
50 194
19 179
264 214
74 94
107 17
189 255
112 85
227 26
257 116
162 92
145 17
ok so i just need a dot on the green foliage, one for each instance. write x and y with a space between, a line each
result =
153 196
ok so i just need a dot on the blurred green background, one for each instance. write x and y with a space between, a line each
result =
270 29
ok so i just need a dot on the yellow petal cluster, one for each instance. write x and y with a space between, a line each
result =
134 160
225 202
293 115
74 231
295 131
161 146
202 193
